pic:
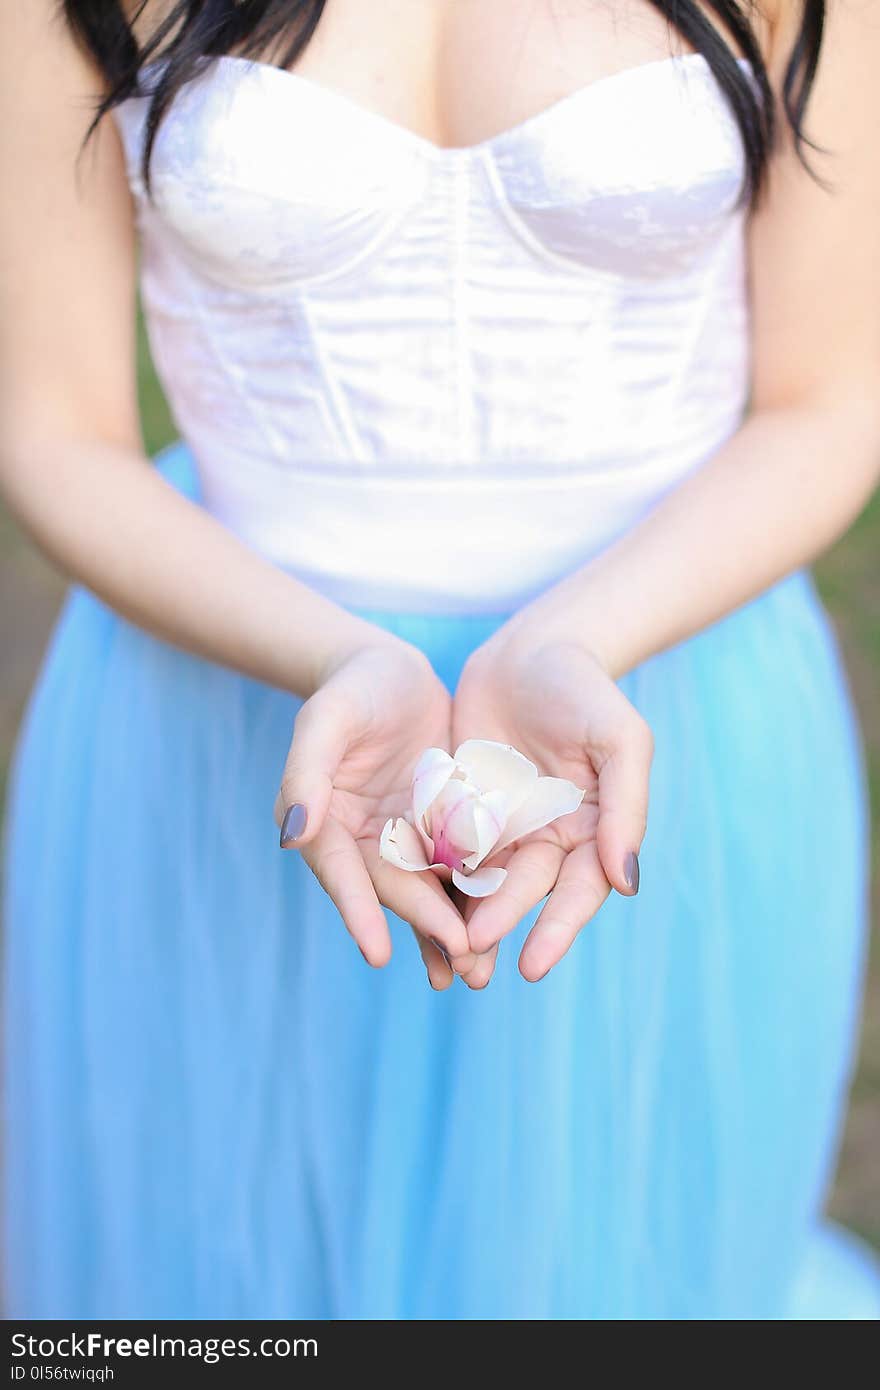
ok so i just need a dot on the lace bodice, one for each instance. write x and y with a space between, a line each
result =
442 378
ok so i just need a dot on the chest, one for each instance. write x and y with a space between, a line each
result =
458 72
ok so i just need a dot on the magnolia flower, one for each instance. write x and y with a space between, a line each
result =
468 807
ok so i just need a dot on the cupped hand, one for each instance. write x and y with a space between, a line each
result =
555 703
355 743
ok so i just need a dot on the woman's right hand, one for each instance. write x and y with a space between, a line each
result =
355 743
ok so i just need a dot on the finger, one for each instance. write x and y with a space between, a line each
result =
463 906
337 863
421 900
580 891
321 736
440 973
531 873
623 804
481 974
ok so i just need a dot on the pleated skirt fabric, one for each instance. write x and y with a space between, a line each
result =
215 1109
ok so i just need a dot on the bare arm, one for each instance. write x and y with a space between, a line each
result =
807 457
72 464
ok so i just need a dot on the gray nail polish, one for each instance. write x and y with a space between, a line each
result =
294 824
631 871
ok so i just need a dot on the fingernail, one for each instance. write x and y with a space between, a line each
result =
294 824
436 944
631 871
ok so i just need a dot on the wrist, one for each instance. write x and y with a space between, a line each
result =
343 639
555 621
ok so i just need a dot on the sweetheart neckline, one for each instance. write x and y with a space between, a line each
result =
452 152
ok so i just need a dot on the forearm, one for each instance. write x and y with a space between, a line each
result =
110 521
781 490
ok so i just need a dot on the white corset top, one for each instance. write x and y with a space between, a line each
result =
440 378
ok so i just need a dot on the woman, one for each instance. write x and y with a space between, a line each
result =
521 362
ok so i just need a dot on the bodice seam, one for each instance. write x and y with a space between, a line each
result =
334 405
232 376
461 346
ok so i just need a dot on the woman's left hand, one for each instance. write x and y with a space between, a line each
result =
555 703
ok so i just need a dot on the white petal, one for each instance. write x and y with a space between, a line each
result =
400 844
490 817
432 771
480 884
550 798
498 767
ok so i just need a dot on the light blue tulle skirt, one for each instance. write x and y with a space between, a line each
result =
215 1109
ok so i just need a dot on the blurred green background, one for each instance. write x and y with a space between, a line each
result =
849 578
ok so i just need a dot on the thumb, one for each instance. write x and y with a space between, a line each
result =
623 804
321 736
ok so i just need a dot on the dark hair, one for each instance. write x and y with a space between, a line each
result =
194 29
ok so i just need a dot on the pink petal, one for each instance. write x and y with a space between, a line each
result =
453 829
490 816
480 884
432 771
551 797
498 767
400 845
